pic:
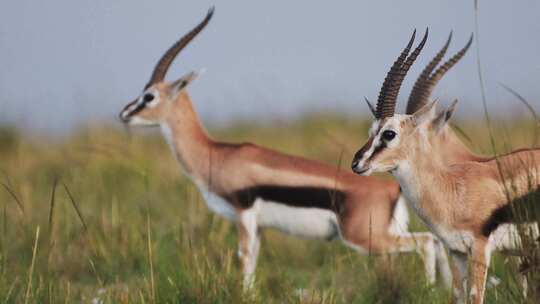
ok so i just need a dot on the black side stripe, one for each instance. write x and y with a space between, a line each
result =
307 197
520 210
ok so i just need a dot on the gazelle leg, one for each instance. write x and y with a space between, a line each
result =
480 259
249 244
424 243
459 275
427 249
420 242
443 264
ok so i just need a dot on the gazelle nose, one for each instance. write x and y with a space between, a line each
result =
354 164
123 117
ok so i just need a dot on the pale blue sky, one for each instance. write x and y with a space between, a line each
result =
66 62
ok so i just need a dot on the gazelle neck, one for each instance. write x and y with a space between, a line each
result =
188 139
453 150
419 175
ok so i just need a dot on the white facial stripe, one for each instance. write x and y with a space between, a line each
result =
141 103
376 132
133 106
375 144
124 114
130 113
374 127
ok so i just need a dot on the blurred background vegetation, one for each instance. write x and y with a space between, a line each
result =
104 215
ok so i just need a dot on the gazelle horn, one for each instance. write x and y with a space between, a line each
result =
419 86
426 83
386 103
165 61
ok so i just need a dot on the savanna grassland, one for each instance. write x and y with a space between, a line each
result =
105 216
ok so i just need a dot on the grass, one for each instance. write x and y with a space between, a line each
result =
106 216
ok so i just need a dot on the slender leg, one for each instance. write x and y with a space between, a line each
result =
428 250
420 242
480 258
249 246
459 273
443 264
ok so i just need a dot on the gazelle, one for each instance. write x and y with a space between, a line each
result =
467 203
259 188
452 150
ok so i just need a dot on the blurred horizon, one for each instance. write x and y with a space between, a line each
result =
67 64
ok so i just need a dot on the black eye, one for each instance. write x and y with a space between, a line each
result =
388 135
148 97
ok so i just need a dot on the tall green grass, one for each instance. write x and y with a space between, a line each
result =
104 215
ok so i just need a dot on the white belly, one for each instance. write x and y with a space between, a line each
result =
303 222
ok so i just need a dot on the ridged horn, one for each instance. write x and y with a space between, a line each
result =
415 98
386 104
166 60
382 107
422 97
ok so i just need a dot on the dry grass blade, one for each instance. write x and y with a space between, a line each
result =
10 290
75 206
481 78
150 260
529 107
6 176
31 271
12 193
51 208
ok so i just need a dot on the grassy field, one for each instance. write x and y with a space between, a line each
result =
105 216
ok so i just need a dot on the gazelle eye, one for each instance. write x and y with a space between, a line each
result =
148 97
388 135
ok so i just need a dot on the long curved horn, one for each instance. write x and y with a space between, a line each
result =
165 62
383 108
422 96
439 73
386 104
415 99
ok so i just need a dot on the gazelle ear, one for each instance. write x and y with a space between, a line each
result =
371 108
442 119
182 82
425 113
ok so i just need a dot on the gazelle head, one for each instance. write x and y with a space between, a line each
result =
151 107
395 138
